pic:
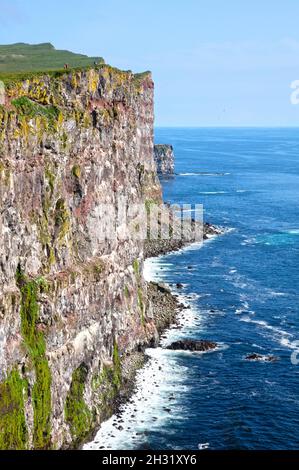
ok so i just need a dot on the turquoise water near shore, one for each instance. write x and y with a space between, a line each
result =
241 292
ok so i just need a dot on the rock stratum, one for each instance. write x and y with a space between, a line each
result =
74 311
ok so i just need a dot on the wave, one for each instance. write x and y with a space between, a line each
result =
204 446
264 324
289 344
154 404
244 308
213 192
284 336
249 241
238 311
190 210
238 191
156 268
286 237
202 174
278 294
257 346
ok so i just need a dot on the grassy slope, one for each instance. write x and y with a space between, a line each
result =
21 57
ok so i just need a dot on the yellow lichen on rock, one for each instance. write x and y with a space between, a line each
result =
93 80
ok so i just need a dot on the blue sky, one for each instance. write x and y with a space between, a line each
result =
214 62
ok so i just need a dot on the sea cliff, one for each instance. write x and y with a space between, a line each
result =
75 311
72 307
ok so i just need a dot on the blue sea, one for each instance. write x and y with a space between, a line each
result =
242 292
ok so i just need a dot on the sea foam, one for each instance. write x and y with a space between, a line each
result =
154 403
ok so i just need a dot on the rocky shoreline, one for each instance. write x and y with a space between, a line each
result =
165 309
155 248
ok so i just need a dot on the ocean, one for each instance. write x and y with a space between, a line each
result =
242 292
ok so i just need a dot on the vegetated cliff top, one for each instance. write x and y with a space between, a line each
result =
22 61
23 57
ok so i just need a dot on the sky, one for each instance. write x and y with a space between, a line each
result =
214 62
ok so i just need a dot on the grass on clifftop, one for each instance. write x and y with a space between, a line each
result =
21 61
20 57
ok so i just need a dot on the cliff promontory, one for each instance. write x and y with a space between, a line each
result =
164 158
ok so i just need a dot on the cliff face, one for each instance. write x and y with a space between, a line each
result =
72 306
164 158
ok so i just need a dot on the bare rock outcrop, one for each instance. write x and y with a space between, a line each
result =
164 158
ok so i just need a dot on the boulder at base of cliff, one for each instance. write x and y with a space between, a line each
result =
192 345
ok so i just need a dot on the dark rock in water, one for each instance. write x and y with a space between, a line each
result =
190 267
192 345
253 357
259 357
179 285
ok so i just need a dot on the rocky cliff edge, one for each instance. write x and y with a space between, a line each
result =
72 307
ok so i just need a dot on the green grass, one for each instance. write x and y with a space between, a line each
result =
20 57
136 267
77 414
31 109
13 430
36 347
19 62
